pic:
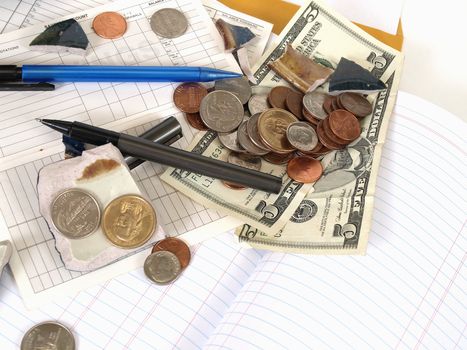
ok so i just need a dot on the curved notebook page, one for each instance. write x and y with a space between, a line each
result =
130 312
408 292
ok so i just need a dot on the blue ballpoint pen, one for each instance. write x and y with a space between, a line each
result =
75 73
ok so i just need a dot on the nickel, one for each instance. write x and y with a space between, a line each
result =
162 267
48 335
169 23
75 213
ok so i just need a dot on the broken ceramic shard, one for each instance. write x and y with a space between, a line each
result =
350 76
100 171
73 148
65 36
5 254
300 70
234 36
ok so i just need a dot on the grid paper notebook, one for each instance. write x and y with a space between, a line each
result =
408 292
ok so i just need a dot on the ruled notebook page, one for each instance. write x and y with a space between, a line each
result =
130 312
408 292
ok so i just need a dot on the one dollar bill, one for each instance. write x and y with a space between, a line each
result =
335 216
267 211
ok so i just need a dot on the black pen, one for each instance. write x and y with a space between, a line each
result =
148 150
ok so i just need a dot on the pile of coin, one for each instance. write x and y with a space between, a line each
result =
280 126
127 221
167 23
168 258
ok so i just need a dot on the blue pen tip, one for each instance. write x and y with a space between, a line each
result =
210 74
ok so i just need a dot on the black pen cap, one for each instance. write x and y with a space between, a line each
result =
10 73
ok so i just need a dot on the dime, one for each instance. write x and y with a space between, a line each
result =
355 104
129 221
276 158
304 169
162 267
258 103
272 127
221 111
245 160
238 86
175 246
293 102
246 142
194 119
169 23
344 125
277 96
302 136
313 103
109 25
252 132
48 335
230 141
325 140
75 213
187 97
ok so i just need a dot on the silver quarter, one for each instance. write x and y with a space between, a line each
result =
48 335
221 111
313 103
302 136
252 132
230 141
245 160
246 142
238 86
258 103
162 267
169 23
75 213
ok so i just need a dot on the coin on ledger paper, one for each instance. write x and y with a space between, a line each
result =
302 136
129 221
162 267
75 213
175 246
240 87
169 23
48 335
109 25
221 111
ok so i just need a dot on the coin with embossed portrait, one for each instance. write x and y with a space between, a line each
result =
221 111
129 221
109 25
48 335
75 213
240 87
169 23
162 267
302 136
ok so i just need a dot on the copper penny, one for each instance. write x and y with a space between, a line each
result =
293 102
334 104
233 186
327 104
276 158
309 117
277 96
356 104
272 128
187 97
304 169
109 25
325 140
344 125
175 246
329 134
194 119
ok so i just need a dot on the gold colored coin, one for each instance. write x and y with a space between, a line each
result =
129 221
272 128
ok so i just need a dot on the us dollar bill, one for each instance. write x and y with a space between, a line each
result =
335 217
268 212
